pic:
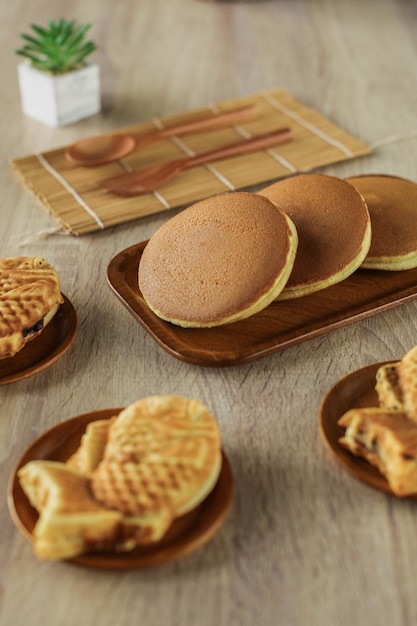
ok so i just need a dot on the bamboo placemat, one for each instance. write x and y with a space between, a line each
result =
70 193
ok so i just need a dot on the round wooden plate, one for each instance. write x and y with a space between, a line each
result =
189 532
45 349
356 390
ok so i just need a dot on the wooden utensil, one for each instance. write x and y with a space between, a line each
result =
151 178
93 151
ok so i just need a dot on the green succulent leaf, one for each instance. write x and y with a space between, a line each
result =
59 47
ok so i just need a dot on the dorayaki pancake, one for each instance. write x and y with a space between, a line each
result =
387 387
407 377
387 440
392 204
221 260
162 458
70 520
333 227
29 298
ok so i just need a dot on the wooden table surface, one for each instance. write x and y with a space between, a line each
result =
305 544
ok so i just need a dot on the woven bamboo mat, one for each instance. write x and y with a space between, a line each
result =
71 194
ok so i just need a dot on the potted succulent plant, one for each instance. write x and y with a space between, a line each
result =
57 84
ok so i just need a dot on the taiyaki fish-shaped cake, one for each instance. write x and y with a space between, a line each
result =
30 294
388 441
396 385
386 436
162 459
70 520
130 478
387 387
407 375
91 451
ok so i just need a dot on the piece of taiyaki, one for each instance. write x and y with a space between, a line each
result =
70 521
407 376
91 450
162 459
30 295
388 441
387 387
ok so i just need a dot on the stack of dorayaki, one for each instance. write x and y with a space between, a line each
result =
229 256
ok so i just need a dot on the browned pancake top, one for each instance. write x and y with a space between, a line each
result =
215 258
331 219
392 204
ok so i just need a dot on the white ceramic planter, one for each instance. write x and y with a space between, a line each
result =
58 100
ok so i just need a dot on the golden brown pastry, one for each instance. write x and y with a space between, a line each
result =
396 384
390 395
387 440
91 449
70 521
392 204
333 226
30 295
219 261
407 377
162 459
130 478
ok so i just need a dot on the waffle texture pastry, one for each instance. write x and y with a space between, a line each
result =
396 384
219 261
70 521
392 204
92 446
388 441
333 226
387 387
407 376
130 478
162 459
386 436
30 295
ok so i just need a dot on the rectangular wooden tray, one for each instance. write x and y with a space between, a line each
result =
278 326
71 193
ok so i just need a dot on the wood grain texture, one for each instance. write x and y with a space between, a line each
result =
305 543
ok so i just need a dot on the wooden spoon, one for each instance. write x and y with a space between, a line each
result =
98 150
150 178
